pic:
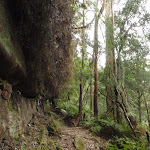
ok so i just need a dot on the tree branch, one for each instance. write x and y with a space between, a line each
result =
100 12
86 26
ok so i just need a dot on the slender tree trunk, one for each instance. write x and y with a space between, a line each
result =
86 93
139 110
120 78
82 90
91 83
148 117
95 65
82 68
139 105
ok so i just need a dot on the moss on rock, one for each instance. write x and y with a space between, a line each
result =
79 143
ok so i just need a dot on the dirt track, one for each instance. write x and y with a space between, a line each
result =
68 135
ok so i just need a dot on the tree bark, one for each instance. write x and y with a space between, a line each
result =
110 61
95 65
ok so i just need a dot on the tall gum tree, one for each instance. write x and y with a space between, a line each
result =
82 69
111 69
95 63
113 89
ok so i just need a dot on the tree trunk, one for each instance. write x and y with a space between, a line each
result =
82 68
111 68
125 107
146 106
139 105
91 83
95 65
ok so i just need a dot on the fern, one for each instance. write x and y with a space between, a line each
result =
96 129
126 144
68 108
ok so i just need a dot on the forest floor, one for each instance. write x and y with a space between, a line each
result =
69 134
48 132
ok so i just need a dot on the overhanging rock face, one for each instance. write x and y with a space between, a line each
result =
12 65
44 28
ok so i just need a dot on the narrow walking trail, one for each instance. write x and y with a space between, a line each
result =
68 135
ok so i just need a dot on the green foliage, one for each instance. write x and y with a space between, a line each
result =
127 144
78 8
23 148
131 70
131 7
107 127
46 144
53 128
68 108
132 50
47 109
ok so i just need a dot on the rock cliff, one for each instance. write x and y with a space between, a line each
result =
35 58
